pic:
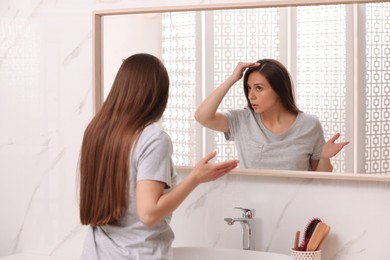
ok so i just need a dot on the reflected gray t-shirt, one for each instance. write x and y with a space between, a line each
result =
129 239
258 148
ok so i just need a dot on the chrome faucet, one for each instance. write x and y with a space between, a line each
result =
248 226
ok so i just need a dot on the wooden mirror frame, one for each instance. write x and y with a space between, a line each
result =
98 84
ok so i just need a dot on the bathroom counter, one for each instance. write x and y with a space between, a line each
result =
24 256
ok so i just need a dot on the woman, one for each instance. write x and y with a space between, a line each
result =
128 185
271 132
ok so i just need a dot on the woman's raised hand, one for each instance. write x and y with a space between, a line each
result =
331 148
240 68
204 171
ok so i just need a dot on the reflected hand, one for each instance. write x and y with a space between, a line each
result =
240 68
331 148
205 171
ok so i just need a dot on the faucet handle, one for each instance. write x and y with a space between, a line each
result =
247 213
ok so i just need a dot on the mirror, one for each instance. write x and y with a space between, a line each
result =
336 51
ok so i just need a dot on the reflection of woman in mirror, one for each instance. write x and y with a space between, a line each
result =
271 132
128 185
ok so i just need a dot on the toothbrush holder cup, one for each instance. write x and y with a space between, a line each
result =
306 255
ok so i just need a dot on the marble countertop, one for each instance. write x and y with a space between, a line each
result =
24 256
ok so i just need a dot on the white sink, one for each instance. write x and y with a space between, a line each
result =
211 253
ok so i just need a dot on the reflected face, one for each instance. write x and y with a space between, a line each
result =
260 93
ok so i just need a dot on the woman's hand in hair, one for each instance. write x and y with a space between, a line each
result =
204 171
206 114
240 68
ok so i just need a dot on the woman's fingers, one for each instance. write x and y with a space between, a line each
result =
210 156
223 168
229 164
244 65
334 138
206 171
331 148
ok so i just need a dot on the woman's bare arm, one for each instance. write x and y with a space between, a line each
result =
154 205
206 114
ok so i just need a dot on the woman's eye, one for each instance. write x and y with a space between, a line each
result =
258 88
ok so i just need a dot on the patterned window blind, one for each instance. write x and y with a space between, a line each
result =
179 54
321 69
377 88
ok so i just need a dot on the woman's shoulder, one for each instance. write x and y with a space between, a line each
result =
308 120
240 112
308 117
153 133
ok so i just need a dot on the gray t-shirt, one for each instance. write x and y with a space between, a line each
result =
129 238
258 148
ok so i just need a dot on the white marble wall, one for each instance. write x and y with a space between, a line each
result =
356 211
45 104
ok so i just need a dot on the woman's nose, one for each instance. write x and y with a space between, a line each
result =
251 94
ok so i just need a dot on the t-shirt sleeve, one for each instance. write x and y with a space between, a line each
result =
155 161
233 116
319 142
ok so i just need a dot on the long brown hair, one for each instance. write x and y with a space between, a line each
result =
137 98
279 79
